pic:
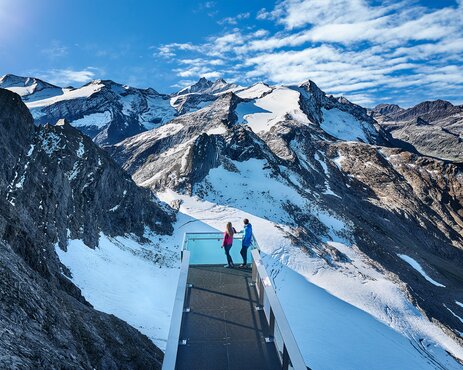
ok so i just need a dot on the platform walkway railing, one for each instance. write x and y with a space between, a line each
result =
170 357
280 331
203 249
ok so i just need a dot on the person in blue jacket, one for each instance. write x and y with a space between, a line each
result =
247 240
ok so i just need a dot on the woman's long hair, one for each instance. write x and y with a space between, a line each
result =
229 229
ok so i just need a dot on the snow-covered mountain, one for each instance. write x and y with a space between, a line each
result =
333 204
362 237
29 88
106 111
433 128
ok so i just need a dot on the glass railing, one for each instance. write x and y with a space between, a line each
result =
206 248
280 331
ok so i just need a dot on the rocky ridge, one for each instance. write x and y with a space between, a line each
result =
432 128
55 184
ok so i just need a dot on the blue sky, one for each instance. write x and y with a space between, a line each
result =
369 51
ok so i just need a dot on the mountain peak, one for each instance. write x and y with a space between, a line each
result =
203 80
201 86
103 82
385 109
434 104
311 86
11 80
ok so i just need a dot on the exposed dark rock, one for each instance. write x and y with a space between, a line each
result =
433 128
204 86
55 183
386 109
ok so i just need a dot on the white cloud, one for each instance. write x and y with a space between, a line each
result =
365 49
55 50
234 20
297 13
168 50
183 83
65 77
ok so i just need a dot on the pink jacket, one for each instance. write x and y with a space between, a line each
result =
227 239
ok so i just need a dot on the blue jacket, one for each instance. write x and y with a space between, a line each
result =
247 237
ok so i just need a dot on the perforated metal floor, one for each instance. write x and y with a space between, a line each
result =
223 330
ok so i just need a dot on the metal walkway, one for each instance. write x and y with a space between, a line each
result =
227 318
223 329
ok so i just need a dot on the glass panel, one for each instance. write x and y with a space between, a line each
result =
266 307
278 340
205 249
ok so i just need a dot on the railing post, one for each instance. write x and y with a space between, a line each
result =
260 292
271 323
254 272
285 358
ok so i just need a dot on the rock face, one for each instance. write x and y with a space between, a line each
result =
148 153
55 184
391 201
204 86
432 128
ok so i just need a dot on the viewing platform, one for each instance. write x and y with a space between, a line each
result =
226 318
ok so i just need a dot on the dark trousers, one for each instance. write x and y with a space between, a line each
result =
227 253
244 253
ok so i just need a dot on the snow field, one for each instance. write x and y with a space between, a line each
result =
372 313
263 113
343 126
99 120
119 277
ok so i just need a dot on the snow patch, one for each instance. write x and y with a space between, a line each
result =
418 268
74 172
454 314
344 126
219 130
81 150
31 150
263 113
68 94
254 92
338 161
95 120
50 143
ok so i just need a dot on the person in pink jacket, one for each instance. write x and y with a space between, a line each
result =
228 242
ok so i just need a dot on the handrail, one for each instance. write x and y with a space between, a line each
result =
291 354
170 357
239 235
